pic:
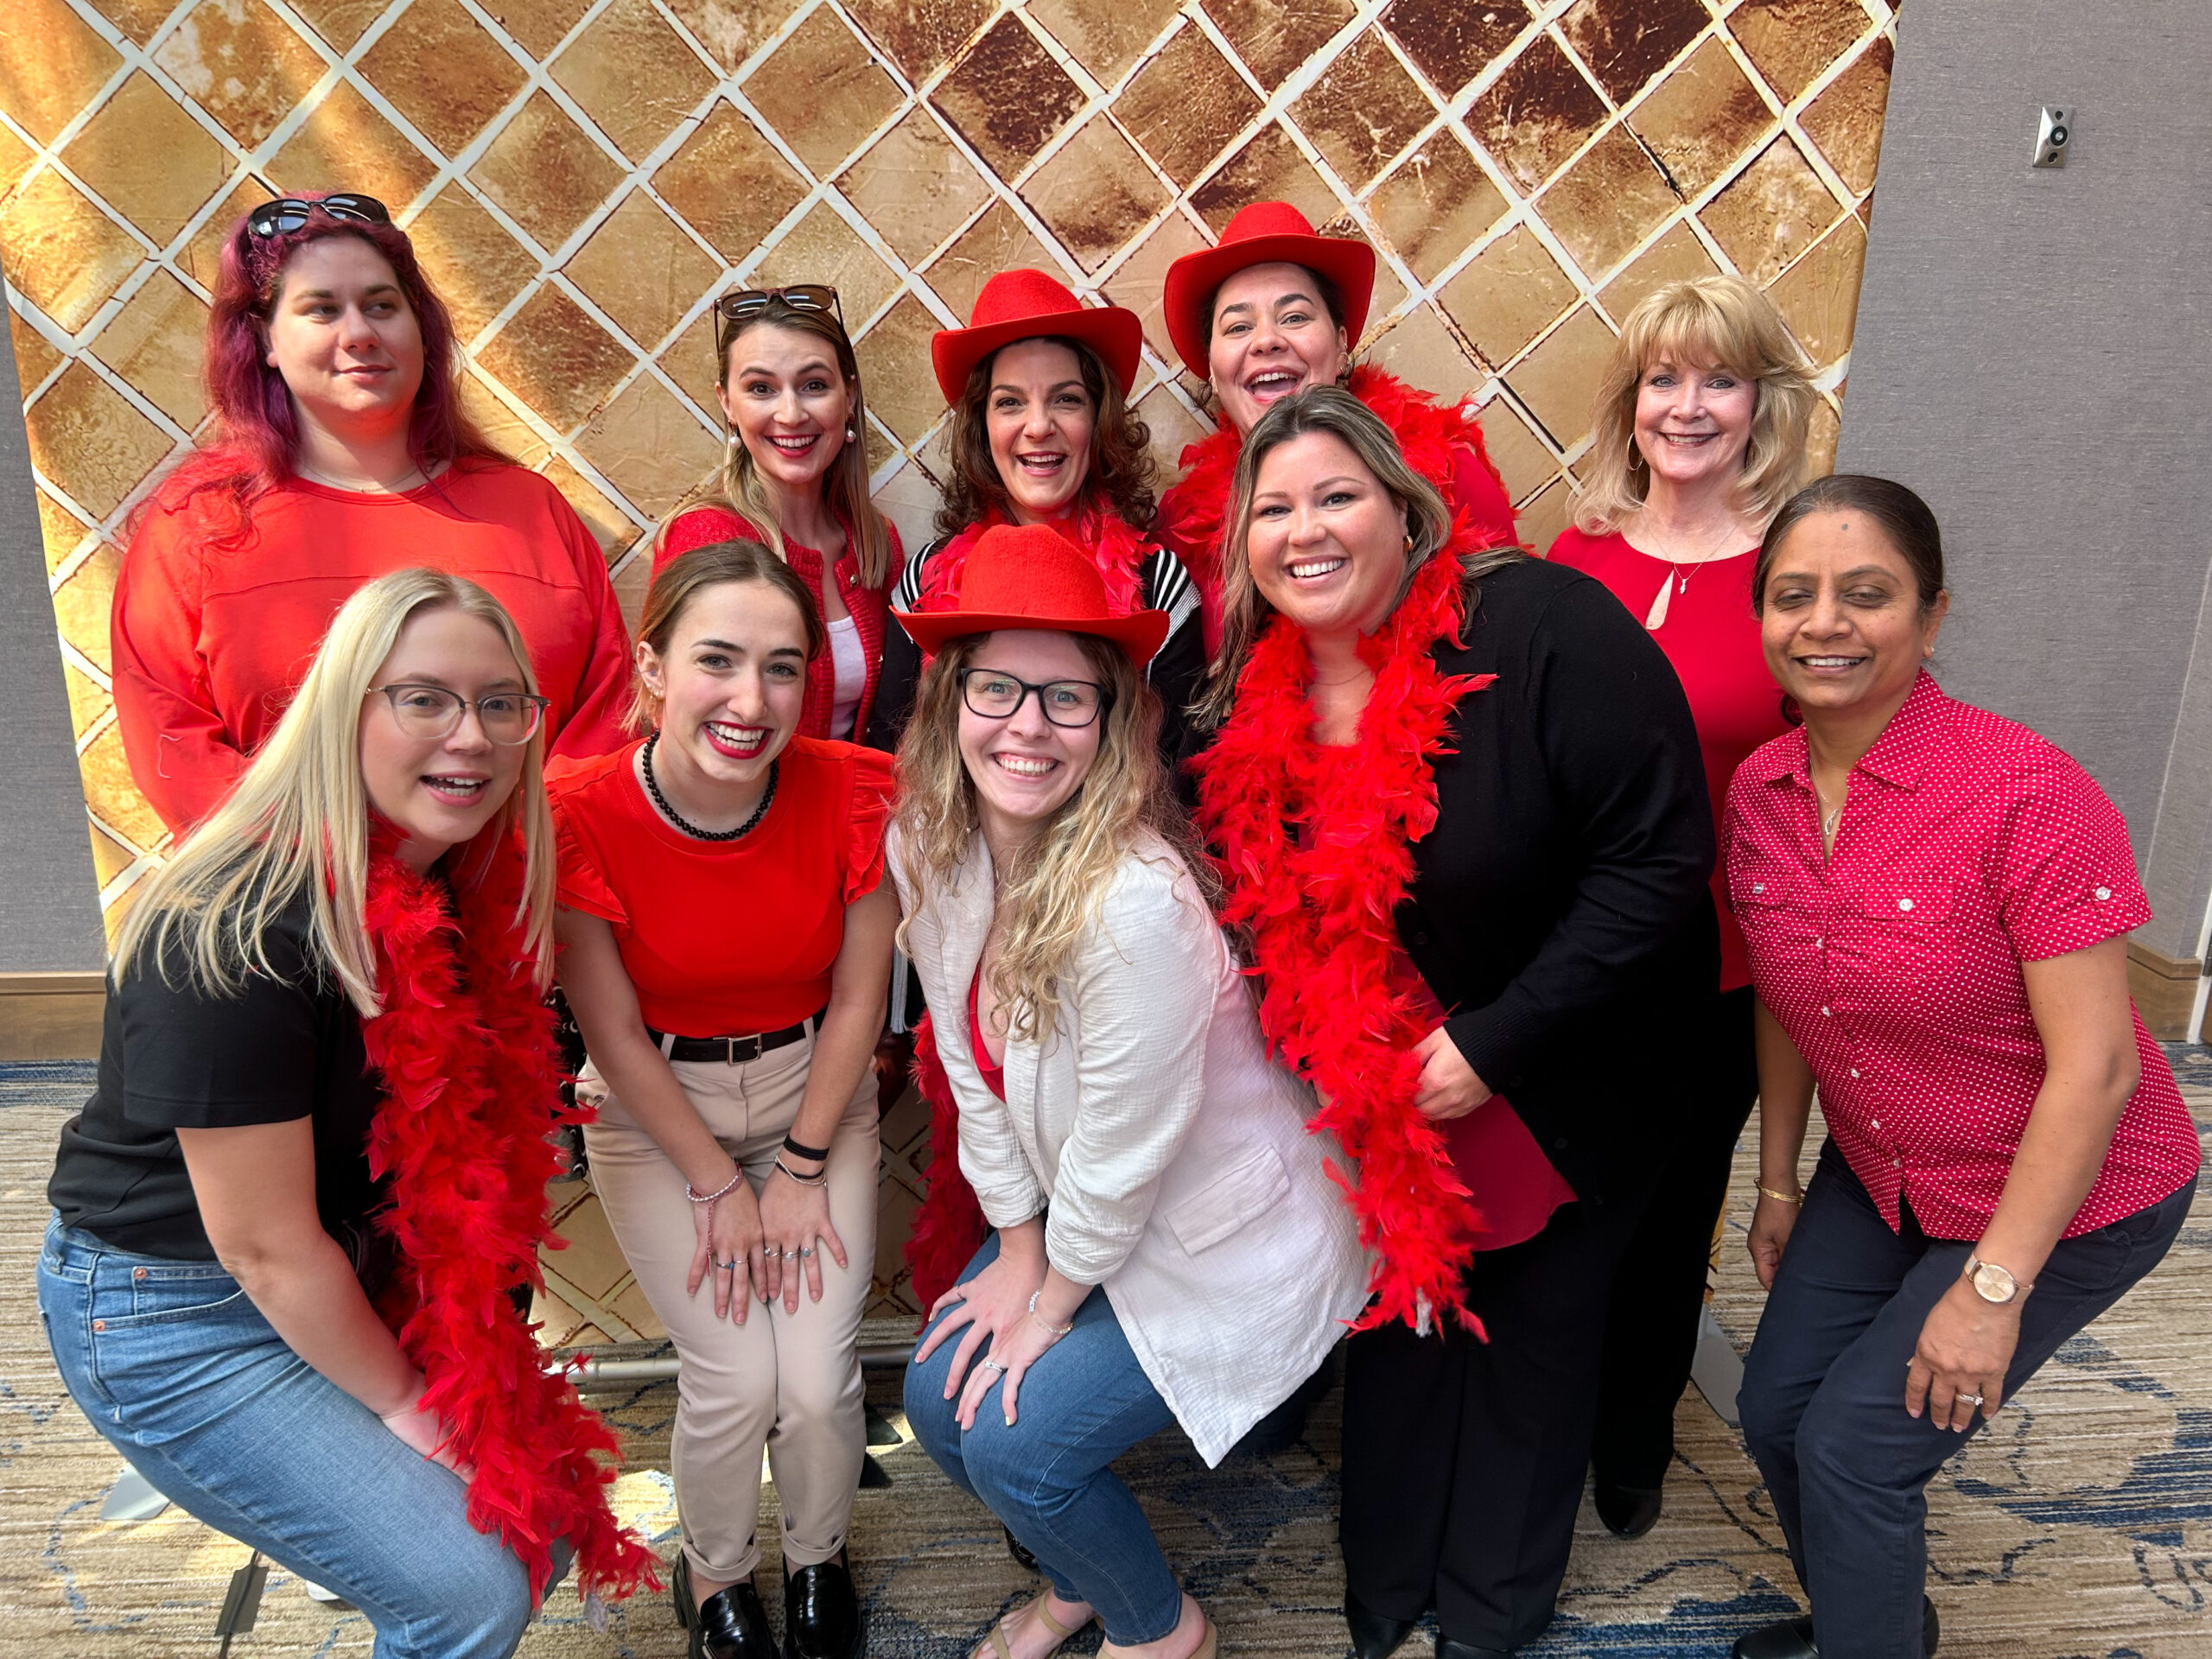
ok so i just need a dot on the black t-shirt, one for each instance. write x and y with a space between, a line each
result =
172 1057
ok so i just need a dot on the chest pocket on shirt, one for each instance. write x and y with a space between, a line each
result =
1898 934
1770 910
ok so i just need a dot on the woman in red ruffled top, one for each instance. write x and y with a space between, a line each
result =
1699 438
1042 434
795 478
725 941
1271 310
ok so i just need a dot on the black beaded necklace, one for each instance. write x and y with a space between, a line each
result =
652 788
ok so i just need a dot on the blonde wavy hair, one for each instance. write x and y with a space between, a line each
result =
1245 612
1050 896
738 488
299 819
1719 320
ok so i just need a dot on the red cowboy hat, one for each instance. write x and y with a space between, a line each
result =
1260 234
1021 305
1031 576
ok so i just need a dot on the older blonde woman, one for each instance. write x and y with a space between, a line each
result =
1701 438
1196 1265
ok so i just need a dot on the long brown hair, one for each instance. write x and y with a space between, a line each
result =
738 488
1121 469
1334 410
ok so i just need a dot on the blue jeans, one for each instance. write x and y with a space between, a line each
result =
1082 1405
173 1363
1823 1394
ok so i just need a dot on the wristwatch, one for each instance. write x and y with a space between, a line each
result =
1992 1283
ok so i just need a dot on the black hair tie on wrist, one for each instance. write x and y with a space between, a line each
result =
820 1154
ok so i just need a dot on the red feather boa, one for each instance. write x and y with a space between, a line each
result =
1338 999
1427 430
1117 549
465 1047
949 1227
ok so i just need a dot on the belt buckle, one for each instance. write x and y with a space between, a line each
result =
737 1058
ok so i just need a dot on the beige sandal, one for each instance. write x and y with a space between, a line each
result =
995 1645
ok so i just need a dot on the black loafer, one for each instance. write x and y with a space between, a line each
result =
732 1624
1630 1511
1447 1649
1374 1636
1792 1638
821 1614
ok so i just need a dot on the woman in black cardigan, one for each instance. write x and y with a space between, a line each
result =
1488 751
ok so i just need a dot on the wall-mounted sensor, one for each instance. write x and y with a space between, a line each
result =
2052 134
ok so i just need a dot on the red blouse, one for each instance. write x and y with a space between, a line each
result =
211 632
1968 846
704 526
1713 640
725 939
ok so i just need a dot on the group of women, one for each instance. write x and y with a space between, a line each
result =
1313 896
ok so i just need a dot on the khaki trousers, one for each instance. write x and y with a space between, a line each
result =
790 1382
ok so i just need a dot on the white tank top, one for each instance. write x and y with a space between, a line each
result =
848 660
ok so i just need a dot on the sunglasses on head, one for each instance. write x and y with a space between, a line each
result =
733 310
289 213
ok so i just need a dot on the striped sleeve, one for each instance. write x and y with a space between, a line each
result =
1167 586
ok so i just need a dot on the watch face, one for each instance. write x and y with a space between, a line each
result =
1993 1283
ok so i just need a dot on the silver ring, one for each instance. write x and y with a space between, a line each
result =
724 1267
993 1365
788 1255
805 1251
1971 1399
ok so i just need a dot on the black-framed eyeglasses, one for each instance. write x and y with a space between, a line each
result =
995 695
738 307
289 213
432 712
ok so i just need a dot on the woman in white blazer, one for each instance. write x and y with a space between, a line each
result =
1168 1244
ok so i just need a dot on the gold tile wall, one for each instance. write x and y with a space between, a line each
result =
582 177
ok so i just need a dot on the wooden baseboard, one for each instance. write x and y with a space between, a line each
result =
2164 989
51 1016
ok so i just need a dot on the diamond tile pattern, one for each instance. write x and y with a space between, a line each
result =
583 176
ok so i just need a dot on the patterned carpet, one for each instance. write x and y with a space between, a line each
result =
2080 1525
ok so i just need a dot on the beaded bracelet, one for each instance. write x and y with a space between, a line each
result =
820 1177
1044 1323
722 1191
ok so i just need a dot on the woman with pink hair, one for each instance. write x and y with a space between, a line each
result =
340 453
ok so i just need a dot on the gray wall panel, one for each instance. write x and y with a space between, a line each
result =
49 902
2033 356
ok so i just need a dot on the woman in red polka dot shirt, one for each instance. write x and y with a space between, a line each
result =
1936 903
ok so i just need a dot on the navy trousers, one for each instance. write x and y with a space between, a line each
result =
1823 1394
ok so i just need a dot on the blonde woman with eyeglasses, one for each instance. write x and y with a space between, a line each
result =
288 1219
795 477
1193 1266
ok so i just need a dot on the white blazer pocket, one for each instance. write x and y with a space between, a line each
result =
1241 1192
